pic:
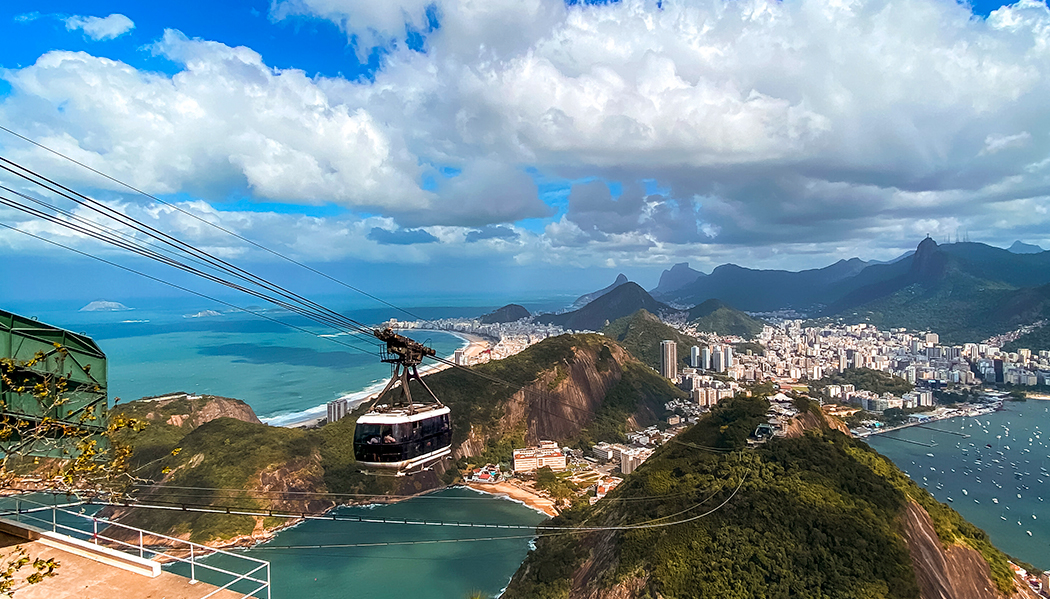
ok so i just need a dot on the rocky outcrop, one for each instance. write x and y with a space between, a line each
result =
954 573
185 410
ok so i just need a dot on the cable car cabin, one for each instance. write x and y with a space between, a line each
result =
401 440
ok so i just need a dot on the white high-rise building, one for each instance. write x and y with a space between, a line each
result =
718 360
705 358
337 409
728 356
669 359
694 356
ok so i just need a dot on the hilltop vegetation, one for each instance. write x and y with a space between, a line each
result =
641 334
714 316
868 379
820 515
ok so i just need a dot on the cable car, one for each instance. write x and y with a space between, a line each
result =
403 436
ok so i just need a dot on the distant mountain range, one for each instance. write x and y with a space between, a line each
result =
622 300
964 291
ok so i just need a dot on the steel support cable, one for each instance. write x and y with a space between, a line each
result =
147 253
131 222
211 224
186 289
99 226
236 511
111 239
254 496
321 495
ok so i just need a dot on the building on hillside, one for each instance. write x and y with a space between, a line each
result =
548 454
669 359
605 452
337 409
632 457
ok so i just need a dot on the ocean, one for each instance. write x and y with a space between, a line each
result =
997 477
285 375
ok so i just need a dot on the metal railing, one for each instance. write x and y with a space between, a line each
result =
166 551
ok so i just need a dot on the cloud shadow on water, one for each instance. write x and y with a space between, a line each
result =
280 354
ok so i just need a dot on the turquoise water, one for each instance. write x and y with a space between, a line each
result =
284 374
446 570
1007 494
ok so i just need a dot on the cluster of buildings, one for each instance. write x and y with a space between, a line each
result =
629 458
509 338
793 353
713 358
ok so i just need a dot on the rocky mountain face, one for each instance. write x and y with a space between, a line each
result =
675 278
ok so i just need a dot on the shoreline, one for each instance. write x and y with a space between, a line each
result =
515 493
971 412
473 345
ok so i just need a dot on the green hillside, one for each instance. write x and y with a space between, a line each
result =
714 316
239 455
1036 340
641 334
814 516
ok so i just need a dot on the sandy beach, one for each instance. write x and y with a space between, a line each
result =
475 346
536 502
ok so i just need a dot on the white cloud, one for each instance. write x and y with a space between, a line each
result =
845 124
101 28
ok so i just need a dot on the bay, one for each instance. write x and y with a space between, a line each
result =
996 478
411 566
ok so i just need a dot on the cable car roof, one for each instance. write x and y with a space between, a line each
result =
396 414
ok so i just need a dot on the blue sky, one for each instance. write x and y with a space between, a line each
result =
576 140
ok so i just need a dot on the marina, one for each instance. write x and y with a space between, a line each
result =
995 473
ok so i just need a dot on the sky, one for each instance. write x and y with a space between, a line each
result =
530 146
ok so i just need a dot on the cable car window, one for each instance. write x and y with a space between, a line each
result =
367 433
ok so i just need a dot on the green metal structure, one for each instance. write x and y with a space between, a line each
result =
71 368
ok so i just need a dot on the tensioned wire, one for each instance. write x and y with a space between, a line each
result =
214 262
207 222
223 266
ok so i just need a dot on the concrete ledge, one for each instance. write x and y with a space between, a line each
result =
98 553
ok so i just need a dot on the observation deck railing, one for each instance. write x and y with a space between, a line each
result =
163 549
